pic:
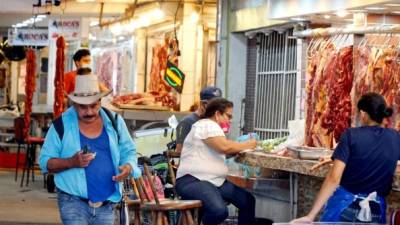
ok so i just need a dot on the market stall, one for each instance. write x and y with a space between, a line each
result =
341 63
167 55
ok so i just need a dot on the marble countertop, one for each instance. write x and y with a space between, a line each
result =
271 161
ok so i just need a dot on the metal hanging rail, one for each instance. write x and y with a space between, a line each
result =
322 32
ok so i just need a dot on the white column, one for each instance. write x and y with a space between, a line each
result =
140 39
188 46
51 73
14 81
199 62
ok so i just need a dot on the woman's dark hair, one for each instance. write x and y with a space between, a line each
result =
374 104
217 104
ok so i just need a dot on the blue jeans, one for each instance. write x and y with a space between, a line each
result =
74 211
214 199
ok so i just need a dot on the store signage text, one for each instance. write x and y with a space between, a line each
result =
174 77
68 28
66 24
34 37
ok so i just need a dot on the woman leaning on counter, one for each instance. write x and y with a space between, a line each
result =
364 163
202 171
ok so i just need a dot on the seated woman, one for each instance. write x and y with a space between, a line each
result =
364 163
202 171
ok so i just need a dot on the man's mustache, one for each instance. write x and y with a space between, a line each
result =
88 116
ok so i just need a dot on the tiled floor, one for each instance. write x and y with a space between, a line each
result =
26 205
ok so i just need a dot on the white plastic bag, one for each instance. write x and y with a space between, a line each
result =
296 135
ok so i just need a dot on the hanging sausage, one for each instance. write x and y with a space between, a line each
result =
58 107
30 86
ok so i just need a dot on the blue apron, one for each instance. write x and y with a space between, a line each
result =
341 200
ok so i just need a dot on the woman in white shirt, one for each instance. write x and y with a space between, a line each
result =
202 171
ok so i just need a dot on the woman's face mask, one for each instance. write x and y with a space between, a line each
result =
226 126
225 122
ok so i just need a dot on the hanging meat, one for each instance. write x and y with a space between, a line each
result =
160 55
338 113
30 86
58 106
317 100
378 71
330 79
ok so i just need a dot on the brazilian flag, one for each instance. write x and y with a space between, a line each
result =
174 77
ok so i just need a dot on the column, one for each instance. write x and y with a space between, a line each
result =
189 61
141 48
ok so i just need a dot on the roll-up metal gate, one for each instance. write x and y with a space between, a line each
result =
277 82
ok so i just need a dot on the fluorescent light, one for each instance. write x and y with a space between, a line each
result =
83 1
41 16
342 13
374 8
396 12
358 10
327 16
298 19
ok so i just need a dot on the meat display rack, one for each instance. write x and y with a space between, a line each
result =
146 107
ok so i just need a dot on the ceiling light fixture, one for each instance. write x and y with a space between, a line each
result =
298 19
375 8
327 16
32 20
342 13
396 12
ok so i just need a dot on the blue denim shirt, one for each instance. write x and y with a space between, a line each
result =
73 181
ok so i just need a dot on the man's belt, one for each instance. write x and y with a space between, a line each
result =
90 203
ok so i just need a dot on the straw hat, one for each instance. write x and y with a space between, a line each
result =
87 90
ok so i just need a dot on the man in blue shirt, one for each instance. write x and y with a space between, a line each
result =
88 182
185 125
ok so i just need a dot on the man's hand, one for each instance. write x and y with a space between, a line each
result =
81 160
303 220
125 171
322 162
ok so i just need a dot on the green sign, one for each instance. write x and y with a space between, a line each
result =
174 77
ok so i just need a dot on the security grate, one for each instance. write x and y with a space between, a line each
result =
276 84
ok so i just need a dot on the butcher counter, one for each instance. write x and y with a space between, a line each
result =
304 183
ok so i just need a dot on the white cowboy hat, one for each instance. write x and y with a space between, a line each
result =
87 90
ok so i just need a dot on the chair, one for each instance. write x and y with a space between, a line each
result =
159 208
19 138
30 144
29 167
